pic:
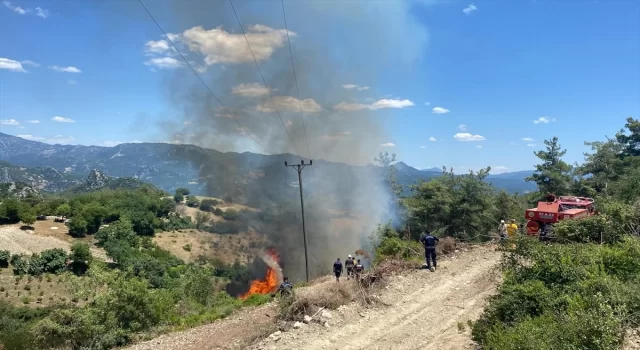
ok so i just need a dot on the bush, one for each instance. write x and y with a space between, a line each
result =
447 245
225 227
53 260
5 256
208 204
592 229
577 296
192 202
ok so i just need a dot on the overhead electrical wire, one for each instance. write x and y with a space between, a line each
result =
261 76
295 79
200 78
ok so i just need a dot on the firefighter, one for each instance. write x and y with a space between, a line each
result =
285 289
337 269
358 269
429 242
348 264
502 230
512 228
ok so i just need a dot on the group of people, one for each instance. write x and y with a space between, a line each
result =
354 268
508 230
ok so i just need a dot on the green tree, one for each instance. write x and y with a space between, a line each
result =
27 216
386 160
553 175
631 141
63 210
183 191
78 226
192 201
178 198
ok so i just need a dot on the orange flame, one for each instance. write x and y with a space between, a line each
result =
266 285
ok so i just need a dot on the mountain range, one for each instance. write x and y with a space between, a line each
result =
57 168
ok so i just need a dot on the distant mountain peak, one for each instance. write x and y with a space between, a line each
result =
96 179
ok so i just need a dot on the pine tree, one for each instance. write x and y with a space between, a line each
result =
553 175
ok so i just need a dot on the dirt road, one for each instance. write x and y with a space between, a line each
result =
421 310
424 311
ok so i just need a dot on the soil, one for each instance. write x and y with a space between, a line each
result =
19 241
418 310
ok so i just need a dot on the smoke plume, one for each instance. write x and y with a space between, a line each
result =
337 71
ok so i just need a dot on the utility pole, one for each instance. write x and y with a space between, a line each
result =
299 168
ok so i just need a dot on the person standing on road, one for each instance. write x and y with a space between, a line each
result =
349 264
502 230
337 269
429 242
512 228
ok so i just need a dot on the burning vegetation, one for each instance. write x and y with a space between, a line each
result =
272 278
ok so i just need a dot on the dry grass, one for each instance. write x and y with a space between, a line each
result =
325 293
306 301
447 245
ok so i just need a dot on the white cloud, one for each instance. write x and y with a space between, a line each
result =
531 144
31 137
30 63
499 169
380 104
462 127
164 62
16 9
478 146
427 103
440 110
40 12
11 65
58 139
423 147
289 104
389 144
465 136
219 46
154 47
70 69
34 121
251 90
528 139
111 143
354 86
11 122
432 139
544 120
467 10
60 119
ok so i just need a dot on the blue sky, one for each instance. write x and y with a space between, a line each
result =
457 83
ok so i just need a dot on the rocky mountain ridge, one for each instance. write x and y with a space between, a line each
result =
204 171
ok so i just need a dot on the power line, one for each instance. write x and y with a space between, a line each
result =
261 76
296 80
200 78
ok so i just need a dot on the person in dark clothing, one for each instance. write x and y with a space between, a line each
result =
285 289
337 269
358 269
349 264
429 242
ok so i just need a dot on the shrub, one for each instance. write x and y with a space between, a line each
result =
5 256
192 202
208 204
